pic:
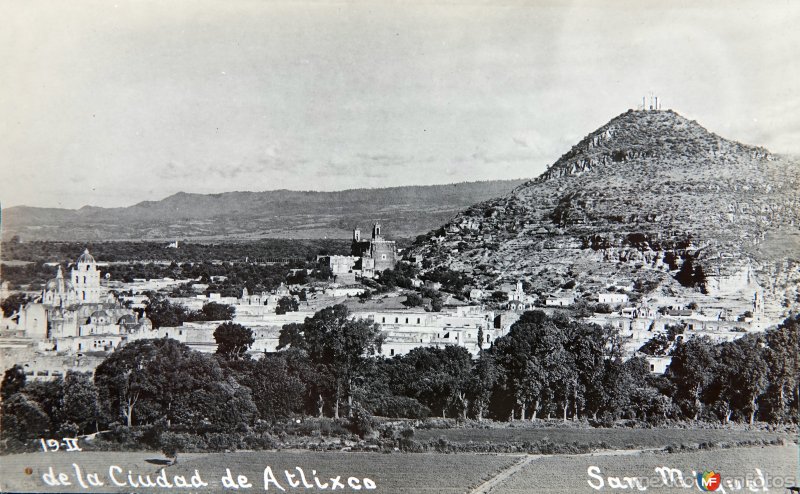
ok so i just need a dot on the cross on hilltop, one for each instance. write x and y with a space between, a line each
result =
655 105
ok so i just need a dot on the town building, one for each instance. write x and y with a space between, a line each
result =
612 298
75 314
367 257
560 300
518 300
405 330
382 252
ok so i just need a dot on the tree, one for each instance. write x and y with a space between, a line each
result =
164 380
340 344
413 300
591 347
120 381
286 304
13 381
163 313
692 372
278 392
484 377
318 381
49 395
452 281
662 343
218 404
691 274
80 401
11 304
322 273
291 335
657 345
539 370
602 308
627 390
397 277
214 311
233 340
741 375
23 418
438 377
297 277
783 360
171 445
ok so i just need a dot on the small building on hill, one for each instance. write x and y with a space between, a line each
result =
560 300
612 298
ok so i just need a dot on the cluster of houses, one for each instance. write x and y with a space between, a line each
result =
76 320
71 316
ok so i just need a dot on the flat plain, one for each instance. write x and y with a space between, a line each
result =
425 472
626 453
569 474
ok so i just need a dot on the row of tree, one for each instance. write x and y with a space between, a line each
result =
545 367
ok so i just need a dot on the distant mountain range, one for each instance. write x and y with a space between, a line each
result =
404 212
650 200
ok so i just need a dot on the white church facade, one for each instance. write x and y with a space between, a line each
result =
77 314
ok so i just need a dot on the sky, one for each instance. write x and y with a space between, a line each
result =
111 103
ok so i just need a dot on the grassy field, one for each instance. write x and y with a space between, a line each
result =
610 438
432 473
568 474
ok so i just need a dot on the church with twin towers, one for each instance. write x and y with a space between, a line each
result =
383 252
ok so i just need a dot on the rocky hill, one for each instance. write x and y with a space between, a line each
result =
404 212
650 200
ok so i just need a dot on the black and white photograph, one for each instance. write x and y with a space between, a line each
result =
457 247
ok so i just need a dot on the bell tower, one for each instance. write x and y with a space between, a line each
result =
86 279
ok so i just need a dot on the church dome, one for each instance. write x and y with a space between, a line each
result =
86 258
99 313
127 319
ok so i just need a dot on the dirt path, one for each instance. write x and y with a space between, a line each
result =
503 475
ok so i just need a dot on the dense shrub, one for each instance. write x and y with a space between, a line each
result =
171 444
361 422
